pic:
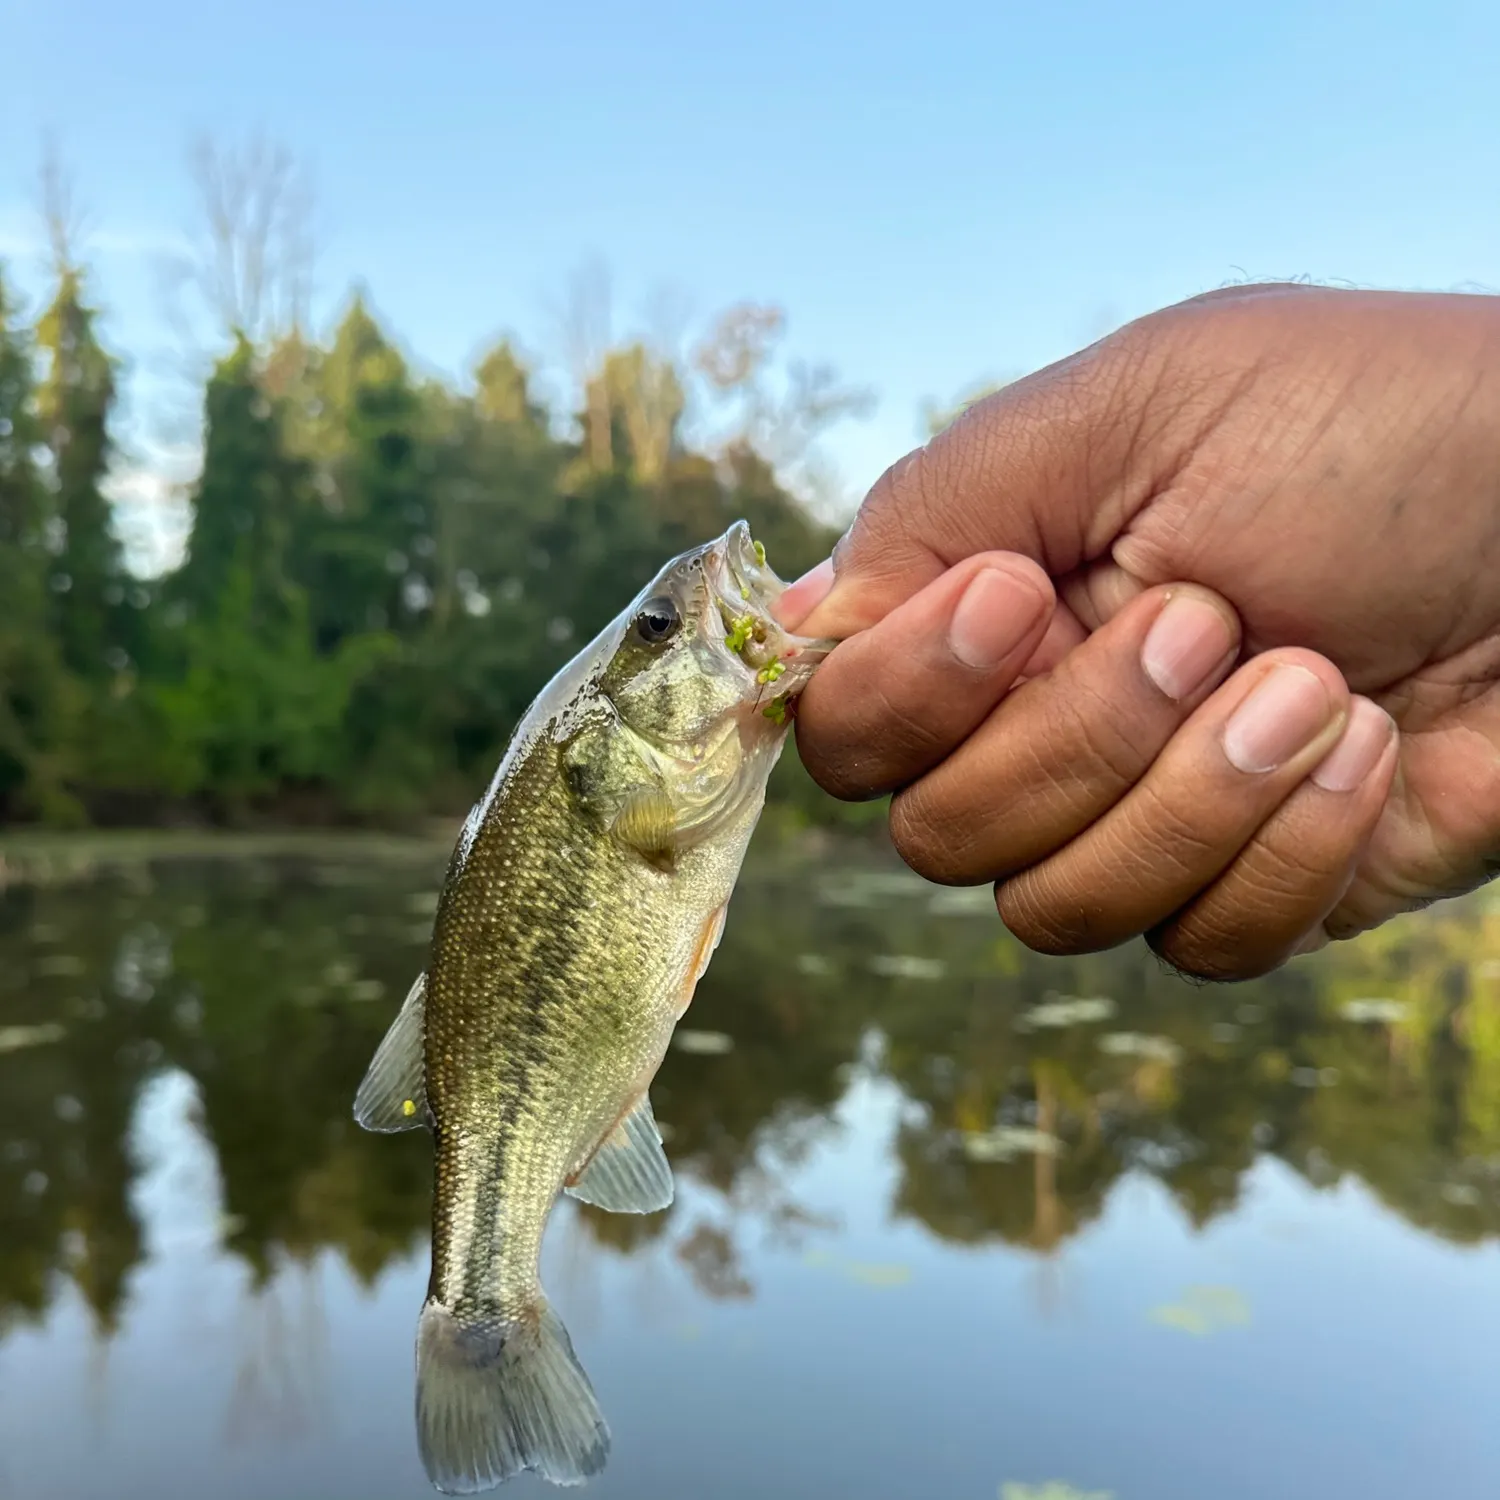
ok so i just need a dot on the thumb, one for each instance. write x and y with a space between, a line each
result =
1052 467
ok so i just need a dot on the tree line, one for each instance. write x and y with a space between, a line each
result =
381 567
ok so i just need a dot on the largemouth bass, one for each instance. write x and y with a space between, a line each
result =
582 903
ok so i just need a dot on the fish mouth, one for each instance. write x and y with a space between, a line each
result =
745 587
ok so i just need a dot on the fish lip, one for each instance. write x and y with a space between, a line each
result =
740 583
735 571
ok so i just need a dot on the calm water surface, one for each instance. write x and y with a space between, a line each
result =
954 1222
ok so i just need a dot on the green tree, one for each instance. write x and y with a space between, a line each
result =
348 512
255 707
366 555
34 692
428 730
75 401
246 501
644 398
503 390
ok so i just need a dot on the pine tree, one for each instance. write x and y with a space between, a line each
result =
366 557
34 695
503 390
247 497
75 401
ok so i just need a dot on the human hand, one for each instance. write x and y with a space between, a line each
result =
1302 489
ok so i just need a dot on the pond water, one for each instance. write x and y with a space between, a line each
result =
954 1222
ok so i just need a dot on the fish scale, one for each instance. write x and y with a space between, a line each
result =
521 1075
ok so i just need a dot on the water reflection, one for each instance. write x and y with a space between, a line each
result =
180 1042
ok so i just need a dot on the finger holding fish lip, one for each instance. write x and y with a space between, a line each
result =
893 701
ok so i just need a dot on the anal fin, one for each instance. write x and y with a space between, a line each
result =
708 945
393 1095
629 1173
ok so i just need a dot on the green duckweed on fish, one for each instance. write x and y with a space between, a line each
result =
582 904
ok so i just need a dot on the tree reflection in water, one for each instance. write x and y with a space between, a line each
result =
267 980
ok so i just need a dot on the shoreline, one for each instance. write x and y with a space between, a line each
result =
50 856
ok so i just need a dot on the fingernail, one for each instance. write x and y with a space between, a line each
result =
992 618
1182 649
1359 751
801 598
1287 710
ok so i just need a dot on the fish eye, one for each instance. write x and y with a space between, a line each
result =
657 621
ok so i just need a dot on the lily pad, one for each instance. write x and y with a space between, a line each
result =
1051 1489
703 1043
1203 1310
1006 1142
15 1038
1160 1049
907 966
1374 1009
1066 1010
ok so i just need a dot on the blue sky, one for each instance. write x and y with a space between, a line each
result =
936 194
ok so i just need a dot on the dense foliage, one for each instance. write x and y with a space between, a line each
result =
380 572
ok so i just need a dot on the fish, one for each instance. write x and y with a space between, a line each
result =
583 901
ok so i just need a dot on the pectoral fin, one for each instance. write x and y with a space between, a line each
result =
629 1173
647 821
393 1095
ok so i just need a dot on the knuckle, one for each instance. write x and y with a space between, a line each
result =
938 842
903 733
864 754
891 519
1077 758
1279 885
1273 878
1048 917
1200 949
1168 841
1088 744
845 768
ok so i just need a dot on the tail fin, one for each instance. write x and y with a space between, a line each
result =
496 1398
